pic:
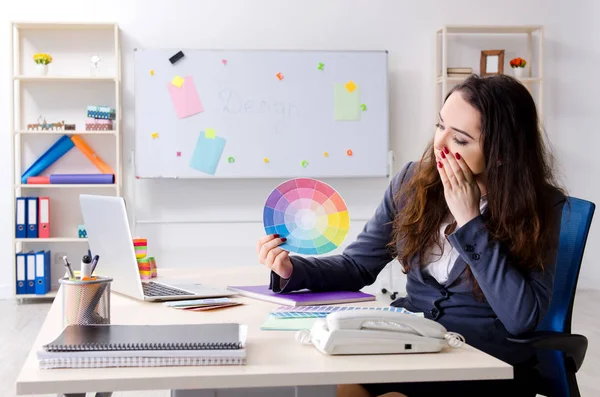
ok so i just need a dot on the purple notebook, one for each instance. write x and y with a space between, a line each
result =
303 297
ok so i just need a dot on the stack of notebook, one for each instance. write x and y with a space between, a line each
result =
101 346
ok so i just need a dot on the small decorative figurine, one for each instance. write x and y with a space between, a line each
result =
95 60
45 125
81 231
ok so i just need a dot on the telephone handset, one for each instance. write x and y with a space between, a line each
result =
378 332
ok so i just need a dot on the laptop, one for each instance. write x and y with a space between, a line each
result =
109 237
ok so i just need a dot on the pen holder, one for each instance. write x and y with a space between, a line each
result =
86 302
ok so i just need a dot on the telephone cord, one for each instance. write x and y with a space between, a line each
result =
454 339
303 336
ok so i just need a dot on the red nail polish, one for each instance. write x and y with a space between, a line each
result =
457 156
283 239
440 164
276 235
446 150
443 155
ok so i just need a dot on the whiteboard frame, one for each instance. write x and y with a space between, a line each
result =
389 170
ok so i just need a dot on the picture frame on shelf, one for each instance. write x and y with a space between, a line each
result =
491 63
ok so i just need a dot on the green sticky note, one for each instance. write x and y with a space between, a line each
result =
287 324
346 104
210 133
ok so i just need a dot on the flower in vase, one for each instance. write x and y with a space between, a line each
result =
517 63
42 59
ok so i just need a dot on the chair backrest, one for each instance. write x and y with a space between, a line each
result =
576 220
575 225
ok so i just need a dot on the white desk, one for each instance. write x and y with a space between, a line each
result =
274 359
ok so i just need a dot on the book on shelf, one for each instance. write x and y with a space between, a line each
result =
462 70
463 75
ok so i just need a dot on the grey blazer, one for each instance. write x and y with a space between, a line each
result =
514 303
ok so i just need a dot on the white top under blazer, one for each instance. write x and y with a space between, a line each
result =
440 268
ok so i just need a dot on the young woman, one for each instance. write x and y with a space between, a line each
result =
475 224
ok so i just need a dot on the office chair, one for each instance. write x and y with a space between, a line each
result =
561 353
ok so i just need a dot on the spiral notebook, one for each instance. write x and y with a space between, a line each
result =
104 346
123 362
139 358
220 336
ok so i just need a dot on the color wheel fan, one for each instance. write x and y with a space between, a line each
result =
309 213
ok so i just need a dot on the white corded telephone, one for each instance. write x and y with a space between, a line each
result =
378 332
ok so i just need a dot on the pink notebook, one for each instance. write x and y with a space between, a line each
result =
303 297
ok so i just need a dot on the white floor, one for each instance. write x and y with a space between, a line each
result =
21 324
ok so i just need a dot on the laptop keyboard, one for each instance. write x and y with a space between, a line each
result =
155 289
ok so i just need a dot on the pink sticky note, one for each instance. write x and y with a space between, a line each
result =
185 99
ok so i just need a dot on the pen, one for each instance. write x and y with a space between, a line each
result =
94 263
68 266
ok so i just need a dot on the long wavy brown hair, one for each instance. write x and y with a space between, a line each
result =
519 174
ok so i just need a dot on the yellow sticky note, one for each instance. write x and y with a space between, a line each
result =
177 81
350 86
210 133
154 135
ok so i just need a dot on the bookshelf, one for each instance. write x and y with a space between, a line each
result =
62 95
461 46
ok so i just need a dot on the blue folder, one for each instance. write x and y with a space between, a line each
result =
21 271
56 151
30 272
32 217
21 218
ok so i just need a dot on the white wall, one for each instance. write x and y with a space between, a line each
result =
405 28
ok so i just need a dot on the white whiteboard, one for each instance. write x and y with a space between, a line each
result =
264 125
